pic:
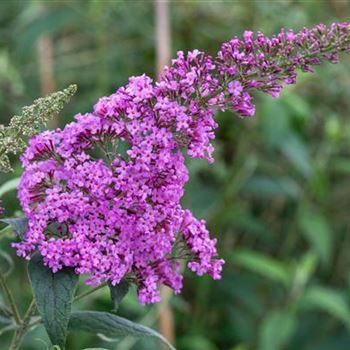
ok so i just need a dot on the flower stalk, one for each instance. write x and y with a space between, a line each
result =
10 298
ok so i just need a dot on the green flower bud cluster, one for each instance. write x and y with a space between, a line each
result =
32 119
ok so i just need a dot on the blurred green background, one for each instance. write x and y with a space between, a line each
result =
277 197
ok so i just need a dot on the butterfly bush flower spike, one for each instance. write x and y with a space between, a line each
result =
103 195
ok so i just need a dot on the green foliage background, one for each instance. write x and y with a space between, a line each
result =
277 196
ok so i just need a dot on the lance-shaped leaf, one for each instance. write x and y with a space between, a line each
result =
53 294
112 326
9 186
19 225
329 300
276 329
118 292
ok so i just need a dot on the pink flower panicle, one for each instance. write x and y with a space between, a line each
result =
103 194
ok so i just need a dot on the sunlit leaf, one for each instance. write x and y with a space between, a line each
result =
316 230
276 329
328 300
304 269
263 265
9 186
297 153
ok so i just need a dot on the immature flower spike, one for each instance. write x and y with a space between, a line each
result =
103 194
30 122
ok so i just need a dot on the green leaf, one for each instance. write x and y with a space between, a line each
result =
276 329
317 232
240 347
297 153
342 165
297 105
275 122
304 270
6 263
111 325
49 22
118 292
19 225
263 265
196 342
268 187
328 300
53 294
9 186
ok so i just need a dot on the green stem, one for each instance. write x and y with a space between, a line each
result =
83 295
23 328
12 302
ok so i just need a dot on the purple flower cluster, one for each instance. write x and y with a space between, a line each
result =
103 194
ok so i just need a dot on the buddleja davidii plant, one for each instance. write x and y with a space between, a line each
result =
53 293
118 217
